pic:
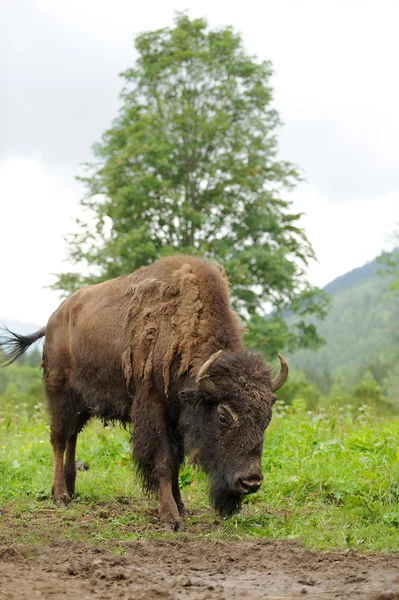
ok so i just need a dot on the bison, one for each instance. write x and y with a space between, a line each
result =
163 350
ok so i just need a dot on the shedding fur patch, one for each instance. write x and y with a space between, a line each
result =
171 319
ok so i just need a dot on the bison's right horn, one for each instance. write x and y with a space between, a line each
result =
281 378
203 379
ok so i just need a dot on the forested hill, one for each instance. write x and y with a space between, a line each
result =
352 277
362 326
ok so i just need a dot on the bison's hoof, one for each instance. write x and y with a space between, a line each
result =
174 527
62 501
81 466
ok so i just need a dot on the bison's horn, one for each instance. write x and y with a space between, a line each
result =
281 378
203 379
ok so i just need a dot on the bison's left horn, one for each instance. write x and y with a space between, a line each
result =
203 379
281 378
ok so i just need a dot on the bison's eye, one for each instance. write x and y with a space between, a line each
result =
226 416
222 419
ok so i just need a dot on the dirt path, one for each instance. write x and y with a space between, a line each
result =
195 570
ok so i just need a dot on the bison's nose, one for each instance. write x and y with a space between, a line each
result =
248 484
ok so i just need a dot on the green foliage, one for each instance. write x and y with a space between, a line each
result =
190 166
341 467
365 392
21 384
390 260
391 384
271 334
299 388
33 358
331 480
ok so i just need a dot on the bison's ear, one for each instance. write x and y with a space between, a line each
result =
187 395
189 392
194 394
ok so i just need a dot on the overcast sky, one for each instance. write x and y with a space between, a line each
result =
336 88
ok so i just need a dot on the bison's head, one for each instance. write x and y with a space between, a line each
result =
224 418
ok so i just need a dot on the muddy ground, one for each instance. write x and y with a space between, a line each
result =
189 569
50 554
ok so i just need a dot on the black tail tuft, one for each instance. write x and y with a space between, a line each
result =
13 345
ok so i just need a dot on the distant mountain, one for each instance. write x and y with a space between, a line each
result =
352 277
362 325
359 274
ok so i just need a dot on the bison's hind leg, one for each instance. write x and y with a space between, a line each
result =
65 423
70 454
59 488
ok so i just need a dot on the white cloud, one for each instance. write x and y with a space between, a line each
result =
36 212
335 86
347 234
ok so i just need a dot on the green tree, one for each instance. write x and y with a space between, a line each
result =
33 358
299 388
391 383
390 260
190 165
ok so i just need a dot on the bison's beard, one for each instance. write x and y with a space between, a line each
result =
223 500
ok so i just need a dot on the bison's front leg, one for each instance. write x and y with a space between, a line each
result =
168 509
154 456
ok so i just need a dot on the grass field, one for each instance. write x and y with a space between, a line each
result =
331 481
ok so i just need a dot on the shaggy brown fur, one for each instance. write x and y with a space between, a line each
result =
130 349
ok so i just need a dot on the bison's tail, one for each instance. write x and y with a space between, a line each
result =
13 345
